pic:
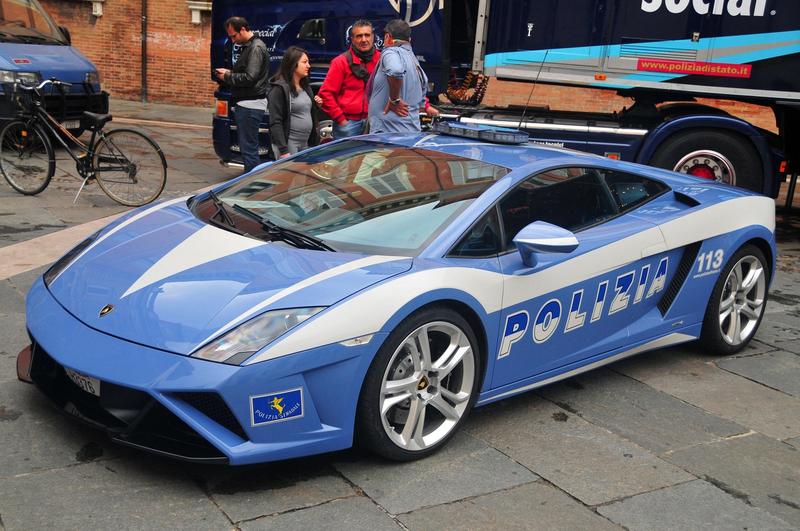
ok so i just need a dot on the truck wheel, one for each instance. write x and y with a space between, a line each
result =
713 155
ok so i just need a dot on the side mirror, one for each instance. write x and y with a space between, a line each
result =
543 237
67 36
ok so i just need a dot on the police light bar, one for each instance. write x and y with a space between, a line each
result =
498 135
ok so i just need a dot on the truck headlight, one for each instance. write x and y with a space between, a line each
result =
248 338
93 78
26 78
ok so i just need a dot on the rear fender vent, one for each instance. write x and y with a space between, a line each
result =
212 406
686 199
684 267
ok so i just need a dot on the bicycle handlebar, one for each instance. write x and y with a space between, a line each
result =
43 84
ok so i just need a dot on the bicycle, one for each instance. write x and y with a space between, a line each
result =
128 165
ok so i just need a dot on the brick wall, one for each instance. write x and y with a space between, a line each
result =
178 57
502 93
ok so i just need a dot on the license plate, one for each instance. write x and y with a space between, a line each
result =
71 124
87 383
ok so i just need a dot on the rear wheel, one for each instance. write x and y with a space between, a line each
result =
713 155
737 303
130 167
26 157
420 386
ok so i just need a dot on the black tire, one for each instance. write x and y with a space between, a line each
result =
27 160
130 167
440 394
751 263
736 151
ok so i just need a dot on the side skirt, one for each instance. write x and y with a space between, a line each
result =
664 341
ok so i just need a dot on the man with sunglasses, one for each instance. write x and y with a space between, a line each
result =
248 82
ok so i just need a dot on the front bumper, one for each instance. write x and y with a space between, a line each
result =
189 408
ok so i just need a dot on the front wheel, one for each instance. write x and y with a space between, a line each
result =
130 167
737 302
420 386
27 160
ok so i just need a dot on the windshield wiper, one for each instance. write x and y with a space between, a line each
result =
10 36
290 236
221 209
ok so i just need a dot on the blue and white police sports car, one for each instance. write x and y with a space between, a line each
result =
376 289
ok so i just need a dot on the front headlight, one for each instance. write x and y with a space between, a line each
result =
93 78
62 263
26 78
250 337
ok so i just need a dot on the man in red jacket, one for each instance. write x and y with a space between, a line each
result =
342 93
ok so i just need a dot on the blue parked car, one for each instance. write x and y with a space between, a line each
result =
383 286
33 48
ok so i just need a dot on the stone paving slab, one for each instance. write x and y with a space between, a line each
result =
654 420
12 300
793 442
587 461
756 469
35 436
465 467
13 338
251 492
686 376
352 514
779 370
784 336
753 348
690 506
31 223
532 506
119 494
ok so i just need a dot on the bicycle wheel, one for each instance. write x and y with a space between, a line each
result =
130 167
26 157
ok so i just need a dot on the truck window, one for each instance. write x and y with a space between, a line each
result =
26 21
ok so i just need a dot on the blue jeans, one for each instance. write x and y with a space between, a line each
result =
350 128
247 122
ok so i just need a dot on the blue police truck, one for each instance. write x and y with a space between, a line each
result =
661 53
34 48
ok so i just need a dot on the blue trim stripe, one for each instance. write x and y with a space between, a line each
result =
790 41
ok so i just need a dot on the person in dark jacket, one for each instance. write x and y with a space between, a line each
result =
292 109
247 81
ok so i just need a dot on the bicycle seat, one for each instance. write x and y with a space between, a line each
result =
95 121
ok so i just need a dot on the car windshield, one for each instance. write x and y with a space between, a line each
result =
25 21
365 196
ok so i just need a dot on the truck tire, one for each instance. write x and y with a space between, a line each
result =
712 154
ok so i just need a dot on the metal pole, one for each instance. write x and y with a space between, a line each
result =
144 51
480 35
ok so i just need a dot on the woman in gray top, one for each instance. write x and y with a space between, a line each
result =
292 109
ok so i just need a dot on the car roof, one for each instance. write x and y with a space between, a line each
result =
510 156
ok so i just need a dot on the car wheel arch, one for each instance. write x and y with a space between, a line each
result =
463 308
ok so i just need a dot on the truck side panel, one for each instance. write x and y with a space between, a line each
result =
738 49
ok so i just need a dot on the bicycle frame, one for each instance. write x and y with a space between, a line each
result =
37 114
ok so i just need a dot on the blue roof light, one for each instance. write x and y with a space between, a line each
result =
497 135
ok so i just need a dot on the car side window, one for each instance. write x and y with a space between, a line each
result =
482 240
630 191
573 198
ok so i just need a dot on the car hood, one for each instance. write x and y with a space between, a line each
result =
61 62
170 281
